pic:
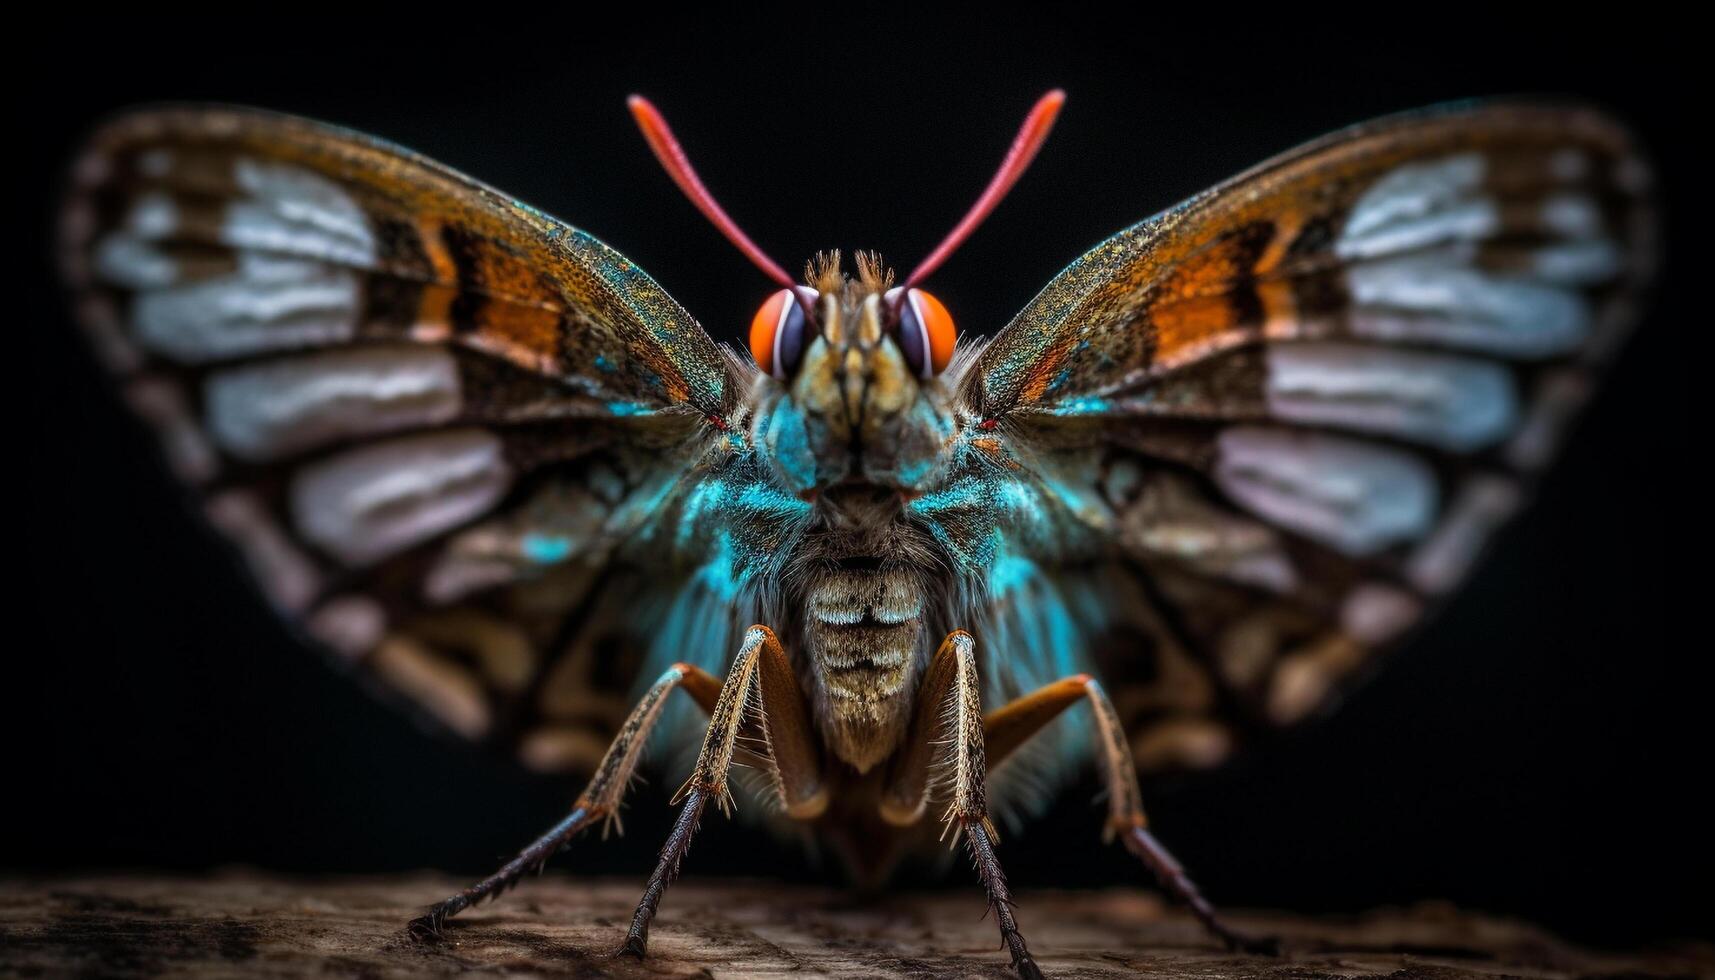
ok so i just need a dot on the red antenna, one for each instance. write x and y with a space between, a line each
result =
1024 146
678 167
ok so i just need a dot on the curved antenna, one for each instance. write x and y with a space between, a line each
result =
678 167
1024 146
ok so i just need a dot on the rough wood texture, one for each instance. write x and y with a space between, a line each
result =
254 925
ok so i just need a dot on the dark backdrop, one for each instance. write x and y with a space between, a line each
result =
1541 750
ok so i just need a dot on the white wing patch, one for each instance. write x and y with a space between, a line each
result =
1414 239
297 238
267 411
1452 402
297 212
268 304
1420 204
366 504
1352 496
1439 300
128 260
1582 263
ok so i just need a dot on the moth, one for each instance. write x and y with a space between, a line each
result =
913 579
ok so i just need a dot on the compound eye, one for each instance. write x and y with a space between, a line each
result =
926 333
777 335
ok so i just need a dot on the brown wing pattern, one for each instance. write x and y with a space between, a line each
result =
1306 398
423 413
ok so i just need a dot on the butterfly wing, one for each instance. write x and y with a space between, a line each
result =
424 414
1299 403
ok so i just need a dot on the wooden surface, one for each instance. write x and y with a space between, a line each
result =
254 925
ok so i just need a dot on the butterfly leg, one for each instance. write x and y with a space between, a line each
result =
947 736
1011 726
761 688
599 801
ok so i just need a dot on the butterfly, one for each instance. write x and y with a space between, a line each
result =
913 579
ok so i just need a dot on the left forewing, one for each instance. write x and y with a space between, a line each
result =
1299 403
426 416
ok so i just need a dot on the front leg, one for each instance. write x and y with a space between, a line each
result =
760 686
949 717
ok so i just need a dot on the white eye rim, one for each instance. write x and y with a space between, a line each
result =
915 298
912 297
793 295
779 363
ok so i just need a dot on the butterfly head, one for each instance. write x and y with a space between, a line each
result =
853 361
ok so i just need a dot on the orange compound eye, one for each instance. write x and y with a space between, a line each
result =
777 334
926 333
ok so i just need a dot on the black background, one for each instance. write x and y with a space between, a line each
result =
1540 750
